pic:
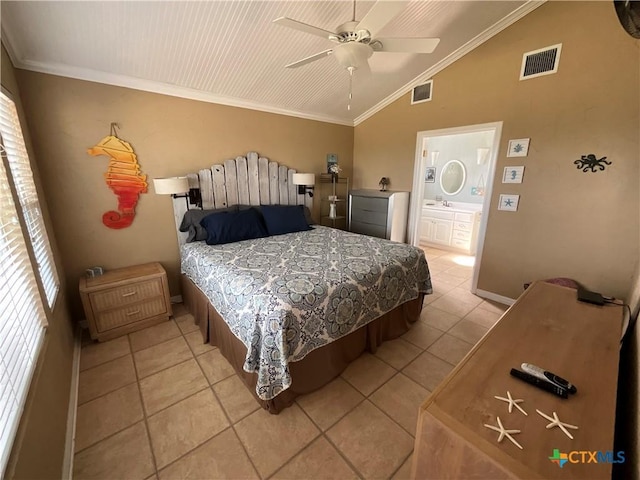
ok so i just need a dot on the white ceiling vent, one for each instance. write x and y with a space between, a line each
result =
540 62
422 93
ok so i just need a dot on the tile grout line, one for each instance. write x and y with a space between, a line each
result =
144 412
210 387
200 444
323 433
395 472
384 412
224 410
146 416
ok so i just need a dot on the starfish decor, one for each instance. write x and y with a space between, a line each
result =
512 403
504 433
555 422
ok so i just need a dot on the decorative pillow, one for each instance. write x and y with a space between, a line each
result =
281 219
191 222
227 227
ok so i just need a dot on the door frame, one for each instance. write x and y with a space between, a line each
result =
419 170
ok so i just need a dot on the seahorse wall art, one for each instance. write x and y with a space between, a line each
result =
123 177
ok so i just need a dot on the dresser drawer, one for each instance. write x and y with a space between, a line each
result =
369 229
125 295
372 204
369 216
464 217
427 212
131 314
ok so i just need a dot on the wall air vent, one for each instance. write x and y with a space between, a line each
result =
540 62
422 93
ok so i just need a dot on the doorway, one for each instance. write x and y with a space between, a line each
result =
452 184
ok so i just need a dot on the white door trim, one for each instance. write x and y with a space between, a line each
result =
418 185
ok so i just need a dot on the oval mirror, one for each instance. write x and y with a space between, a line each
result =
453 177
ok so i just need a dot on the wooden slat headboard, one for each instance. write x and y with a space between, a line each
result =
250 180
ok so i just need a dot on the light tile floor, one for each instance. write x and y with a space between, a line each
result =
159 404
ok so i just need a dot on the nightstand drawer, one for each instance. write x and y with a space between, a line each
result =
125 295
131 314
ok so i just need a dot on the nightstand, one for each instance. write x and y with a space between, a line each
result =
125 299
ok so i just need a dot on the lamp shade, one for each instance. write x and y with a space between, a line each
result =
304 179
171 185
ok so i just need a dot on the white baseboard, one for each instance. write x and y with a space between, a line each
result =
176 299
495 297
70 443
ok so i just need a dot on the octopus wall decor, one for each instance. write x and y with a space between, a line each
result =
590 162
123 177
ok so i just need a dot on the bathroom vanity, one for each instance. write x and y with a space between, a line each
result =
454 227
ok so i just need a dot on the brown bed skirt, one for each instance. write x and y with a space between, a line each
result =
320 366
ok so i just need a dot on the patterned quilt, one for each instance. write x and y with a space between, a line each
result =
284 296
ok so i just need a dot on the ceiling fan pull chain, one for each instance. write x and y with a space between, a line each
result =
350 87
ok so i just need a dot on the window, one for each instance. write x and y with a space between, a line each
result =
22 315
20 170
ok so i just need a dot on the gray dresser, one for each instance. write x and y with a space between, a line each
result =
379 214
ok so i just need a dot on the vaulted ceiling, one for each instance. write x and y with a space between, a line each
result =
231 52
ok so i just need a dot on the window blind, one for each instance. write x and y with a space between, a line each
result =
20 170
22 319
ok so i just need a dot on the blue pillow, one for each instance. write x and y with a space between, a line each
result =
227 227
191 222
281 219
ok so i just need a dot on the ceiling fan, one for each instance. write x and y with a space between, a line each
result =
356 40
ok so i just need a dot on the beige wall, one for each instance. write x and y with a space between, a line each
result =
171 136
569 223
38 451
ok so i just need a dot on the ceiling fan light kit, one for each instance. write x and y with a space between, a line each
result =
353 54
355 40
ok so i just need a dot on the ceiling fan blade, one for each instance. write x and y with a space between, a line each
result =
380 14
303 27
310 59
409 45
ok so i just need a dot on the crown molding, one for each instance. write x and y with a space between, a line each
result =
165 89
476 41
7 42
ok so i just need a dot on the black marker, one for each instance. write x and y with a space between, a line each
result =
548 376
543 384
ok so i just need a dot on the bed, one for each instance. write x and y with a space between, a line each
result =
291 311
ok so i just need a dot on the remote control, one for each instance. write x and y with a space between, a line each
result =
543 384
548 376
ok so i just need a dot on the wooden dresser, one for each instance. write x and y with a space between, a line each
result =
379 214
125 299
547 327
